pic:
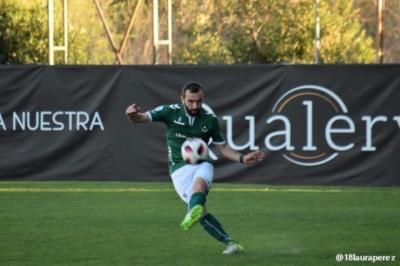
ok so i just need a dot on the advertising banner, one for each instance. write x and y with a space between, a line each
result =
326 124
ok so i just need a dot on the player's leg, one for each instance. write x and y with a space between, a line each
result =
199 191
214 228
182 180
201 181
196 203
203 177
197 206
183 184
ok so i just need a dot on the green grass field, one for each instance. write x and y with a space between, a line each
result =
127 223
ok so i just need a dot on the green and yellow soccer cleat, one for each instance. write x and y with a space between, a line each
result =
192 217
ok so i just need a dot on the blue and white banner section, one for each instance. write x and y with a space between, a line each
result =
331 124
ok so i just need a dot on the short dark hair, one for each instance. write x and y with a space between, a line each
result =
192 86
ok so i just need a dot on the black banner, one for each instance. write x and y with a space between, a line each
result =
330 124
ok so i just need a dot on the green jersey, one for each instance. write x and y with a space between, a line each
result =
182 126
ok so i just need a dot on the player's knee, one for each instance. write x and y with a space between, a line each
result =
200 185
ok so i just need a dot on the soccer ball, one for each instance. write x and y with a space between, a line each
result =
194 151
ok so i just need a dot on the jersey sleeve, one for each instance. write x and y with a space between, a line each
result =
217 137
159 114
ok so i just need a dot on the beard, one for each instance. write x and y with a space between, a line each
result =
193 112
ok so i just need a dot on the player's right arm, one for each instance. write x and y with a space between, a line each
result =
134 114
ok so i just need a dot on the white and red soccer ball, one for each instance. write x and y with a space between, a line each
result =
194 151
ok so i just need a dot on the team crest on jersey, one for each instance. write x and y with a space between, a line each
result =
204 129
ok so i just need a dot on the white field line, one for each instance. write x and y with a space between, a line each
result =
85 190
154 190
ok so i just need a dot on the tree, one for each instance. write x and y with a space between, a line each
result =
368 17
24 35
204 32
22 39
139 49
270 31
344 40
198 36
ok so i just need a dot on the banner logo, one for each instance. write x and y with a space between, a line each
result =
312 98
311 126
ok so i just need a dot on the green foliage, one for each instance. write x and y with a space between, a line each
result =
271 31
343 39
24 35
391 22
118 14
88 43
204 32
275 32
22 39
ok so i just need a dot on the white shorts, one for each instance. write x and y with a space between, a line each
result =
184 177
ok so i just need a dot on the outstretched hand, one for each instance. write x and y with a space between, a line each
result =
132 110
134 114
253 157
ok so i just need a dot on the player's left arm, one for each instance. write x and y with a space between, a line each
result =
229 153
248 158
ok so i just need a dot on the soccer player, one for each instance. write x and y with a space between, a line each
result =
189 119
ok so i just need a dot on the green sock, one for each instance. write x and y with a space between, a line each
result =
214 228
197 198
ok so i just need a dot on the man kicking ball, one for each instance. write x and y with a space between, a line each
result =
192 182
